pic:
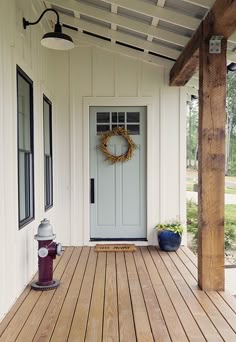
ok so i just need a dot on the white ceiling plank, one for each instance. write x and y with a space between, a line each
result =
158 12
128 23
155 21
118 36
161 3
202 3
93 41
114 9
231 56
193 82
191 91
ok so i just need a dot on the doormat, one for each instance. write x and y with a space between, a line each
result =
115 248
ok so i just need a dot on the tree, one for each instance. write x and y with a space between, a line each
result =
230 168
192 133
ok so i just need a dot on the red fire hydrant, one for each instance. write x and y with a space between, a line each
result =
47 251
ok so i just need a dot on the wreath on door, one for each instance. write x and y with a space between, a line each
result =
124 134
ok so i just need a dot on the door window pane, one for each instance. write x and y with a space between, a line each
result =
133 117
102 128
121 117
103 117
133 129
114 117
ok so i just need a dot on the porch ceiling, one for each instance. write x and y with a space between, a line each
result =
147 29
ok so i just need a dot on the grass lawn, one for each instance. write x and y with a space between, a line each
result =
230 222
232 191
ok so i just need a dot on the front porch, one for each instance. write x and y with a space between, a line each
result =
146 295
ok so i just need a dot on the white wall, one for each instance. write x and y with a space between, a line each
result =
98 77
49 72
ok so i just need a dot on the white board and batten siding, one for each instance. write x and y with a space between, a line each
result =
101 78
18 252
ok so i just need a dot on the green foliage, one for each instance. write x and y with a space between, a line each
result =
230 223
173 226
192 128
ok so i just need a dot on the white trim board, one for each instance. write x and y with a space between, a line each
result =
116 101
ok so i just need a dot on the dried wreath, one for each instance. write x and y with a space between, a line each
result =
111 157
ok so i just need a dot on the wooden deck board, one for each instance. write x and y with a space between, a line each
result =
171 318
220 323
154 312
62 327
9 316
198 312
126 322
143 330
95 320
79 322
143 296
24 312
110 326
185 316
49 320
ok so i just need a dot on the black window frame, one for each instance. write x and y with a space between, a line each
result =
48 160
28 155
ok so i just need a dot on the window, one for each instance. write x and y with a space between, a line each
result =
108 120
48 170
25 148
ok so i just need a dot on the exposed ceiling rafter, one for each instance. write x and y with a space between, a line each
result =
158 12
118 36
122 21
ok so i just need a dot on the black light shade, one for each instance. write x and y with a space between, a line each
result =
56 40
231 67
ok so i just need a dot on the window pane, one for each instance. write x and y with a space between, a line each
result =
133 129
114 117
103 128
22 194
121 117
133 117
48 181
25 148
48 174
103 117
46 123
23 100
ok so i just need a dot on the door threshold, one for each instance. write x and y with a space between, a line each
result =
116 240
136 242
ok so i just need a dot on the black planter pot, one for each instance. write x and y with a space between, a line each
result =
168 241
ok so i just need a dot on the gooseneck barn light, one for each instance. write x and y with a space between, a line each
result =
56 40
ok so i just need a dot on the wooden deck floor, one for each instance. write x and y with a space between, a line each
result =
147 295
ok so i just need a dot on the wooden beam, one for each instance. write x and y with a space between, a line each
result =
211 168
187 63
221 18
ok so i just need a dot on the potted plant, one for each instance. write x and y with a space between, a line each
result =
169 235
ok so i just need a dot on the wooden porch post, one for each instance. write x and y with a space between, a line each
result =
212 116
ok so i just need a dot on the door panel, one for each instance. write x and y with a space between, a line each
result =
119 208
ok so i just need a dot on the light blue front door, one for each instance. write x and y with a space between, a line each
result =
118 191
